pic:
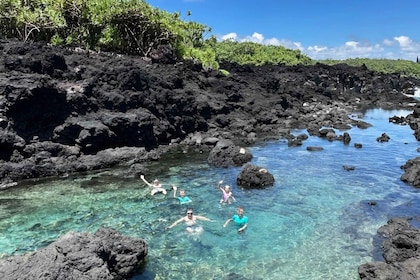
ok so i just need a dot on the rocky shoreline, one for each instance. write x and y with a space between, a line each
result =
105 254
66 111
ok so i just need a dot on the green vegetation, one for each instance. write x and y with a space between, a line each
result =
123 26
257 54
404 67
134 27
128 27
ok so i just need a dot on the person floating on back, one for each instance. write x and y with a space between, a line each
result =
156 186
240 220
191 222
227 195
181 198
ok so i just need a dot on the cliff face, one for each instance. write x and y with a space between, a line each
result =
64 111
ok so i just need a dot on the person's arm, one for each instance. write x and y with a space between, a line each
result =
227 222
243 227
176 222
202 218
219 185
174 188
144 180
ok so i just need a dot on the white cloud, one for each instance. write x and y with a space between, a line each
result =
230 36
256 38
298 46
400 47
408 46
404 41
350 49
388 42
259 38
317 49
352 44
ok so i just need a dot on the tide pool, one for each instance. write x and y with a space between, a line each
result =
316 222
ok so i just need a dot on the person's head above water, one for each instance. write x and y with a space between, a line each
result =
240 211
190 213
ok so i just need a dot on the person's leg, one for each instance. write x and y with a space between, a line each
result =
199 229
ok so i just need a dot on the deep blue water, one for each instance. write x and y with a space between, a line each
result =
316 222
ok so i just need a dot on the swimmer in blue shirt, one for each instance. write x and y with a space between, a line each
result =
181 198
240 220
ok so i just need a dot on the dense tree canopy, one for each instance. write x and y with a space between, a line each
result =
129 26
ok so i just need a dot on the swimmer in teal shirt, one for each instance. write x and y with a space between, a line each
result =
240 220
181 198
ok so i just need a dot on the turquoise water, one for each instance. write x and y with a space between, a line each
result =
314 223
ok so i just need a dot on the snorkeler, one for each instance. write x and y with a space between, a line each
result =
190 221
240 220
227 195
156 186
181 198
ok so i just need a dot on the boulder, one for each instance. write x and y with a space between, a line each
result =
254 177
226 154
314 148
328 133
349 167
400 251
412 172
346 138
104 255
383 138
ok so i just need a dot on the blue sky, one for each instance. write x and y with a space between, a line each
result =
321 29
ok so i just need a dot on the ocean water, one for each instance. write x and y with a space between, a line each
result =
317 221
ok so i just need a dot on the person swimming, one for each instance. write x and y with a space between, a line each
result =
182 198
156 186
240 220
191 222
227 195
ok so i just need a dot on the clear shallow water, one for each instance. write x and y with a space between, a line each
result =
314 223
